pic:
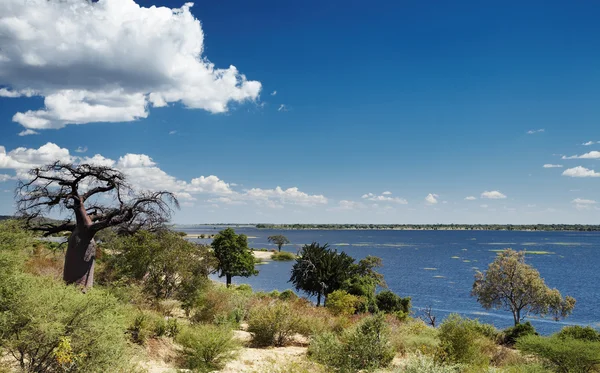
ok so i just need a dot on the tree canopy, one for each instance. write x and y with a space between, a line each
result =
278 240
82 190
233 255
511 284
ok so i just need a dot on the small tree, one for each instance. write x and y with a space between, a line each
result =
278 240
82 190
233 255
512 285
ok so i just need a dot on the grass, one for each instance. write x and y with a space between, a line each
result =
283 256
530 252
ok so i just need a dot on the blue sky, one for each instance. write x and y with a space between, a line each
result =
333 103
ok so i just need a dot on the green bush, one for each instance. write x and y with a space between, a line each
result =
515 332
207 347
288 295
273 323
340 302
50 327
364 348
466 341
579 332
564 354
419 363
140 329
220 305
387 301
283 256
415 337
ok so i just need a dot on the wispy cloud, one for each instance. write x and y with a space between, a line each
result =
548 165
274 93
494 194
81 149
590 155
590 143
28 132
172 132
470 198
384 198
532 132
282 107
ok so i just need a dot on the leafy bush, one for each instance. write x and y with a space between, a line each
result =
419 363
415 337
140 329
50 327
515 332
366 347
466 341
387 301
288 295
272 323
340 302
220 305
207 347
579 332
283 256
564 354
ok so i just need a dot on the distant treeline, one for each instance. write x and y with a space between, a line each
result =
6 217
473 227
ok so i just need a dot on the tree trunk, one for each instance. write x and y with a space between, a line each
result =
517 317
318 299
279 248
228 279
80 258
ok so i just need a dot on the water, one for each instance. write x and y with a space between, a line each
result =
436 268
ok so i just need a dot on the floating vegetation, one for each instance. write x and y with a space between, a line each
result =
341 244
439 276
530 244
475 268
464 250
466 261
569 243
430 269
498 243
455 257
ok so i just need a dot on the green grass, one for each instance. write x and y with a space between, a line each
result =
283 256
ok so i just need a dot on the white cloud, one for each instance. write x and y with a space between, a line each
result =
470 198
494 194
531 132
431 199
172 132
274 93
548 165
580 171
5 177
591 155
108 61
386 193
210 184
590 143
28 132
348 205
582 201
384 198
289 195
22 158
282 107
81 149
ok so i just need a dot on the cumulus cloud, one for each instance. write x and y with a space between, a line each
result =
144 173
28 132
384 198
386 193
431 199
590 155
108 61
470 198
532 132
548 165
580 171
494 194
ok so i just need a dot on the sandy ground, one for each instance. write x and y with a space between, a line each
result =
263 255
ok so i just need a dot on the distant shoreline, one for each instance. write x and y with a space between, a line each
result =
415 227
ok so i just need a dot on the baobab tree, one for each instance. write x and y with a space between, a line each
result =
94 198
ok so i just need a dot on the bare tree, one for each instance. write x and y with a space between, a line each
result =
95 197
428 317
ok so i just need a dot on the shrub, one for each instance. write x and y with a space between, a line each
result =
465 341
579 332
415 337
272 323
288 295
207 347
340 302
50 327
139 330
220 305
244 288
419 363
283 256
563 354
387 301
515 332
366 347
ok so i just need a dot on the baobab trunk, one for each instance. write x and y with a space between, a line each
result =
228 279
80 258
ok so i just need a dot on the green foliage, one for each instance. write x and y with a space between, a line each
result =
164 263
207 348
50 327
279 240
586 333
364 348
273 323
387 301
220 305
466 341
419 363
564 355
512 285
415 337
283 256
340 302
288 295
515 332
233 256
13 236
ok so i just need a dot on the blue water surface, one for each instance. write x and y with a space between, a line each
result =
436 268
